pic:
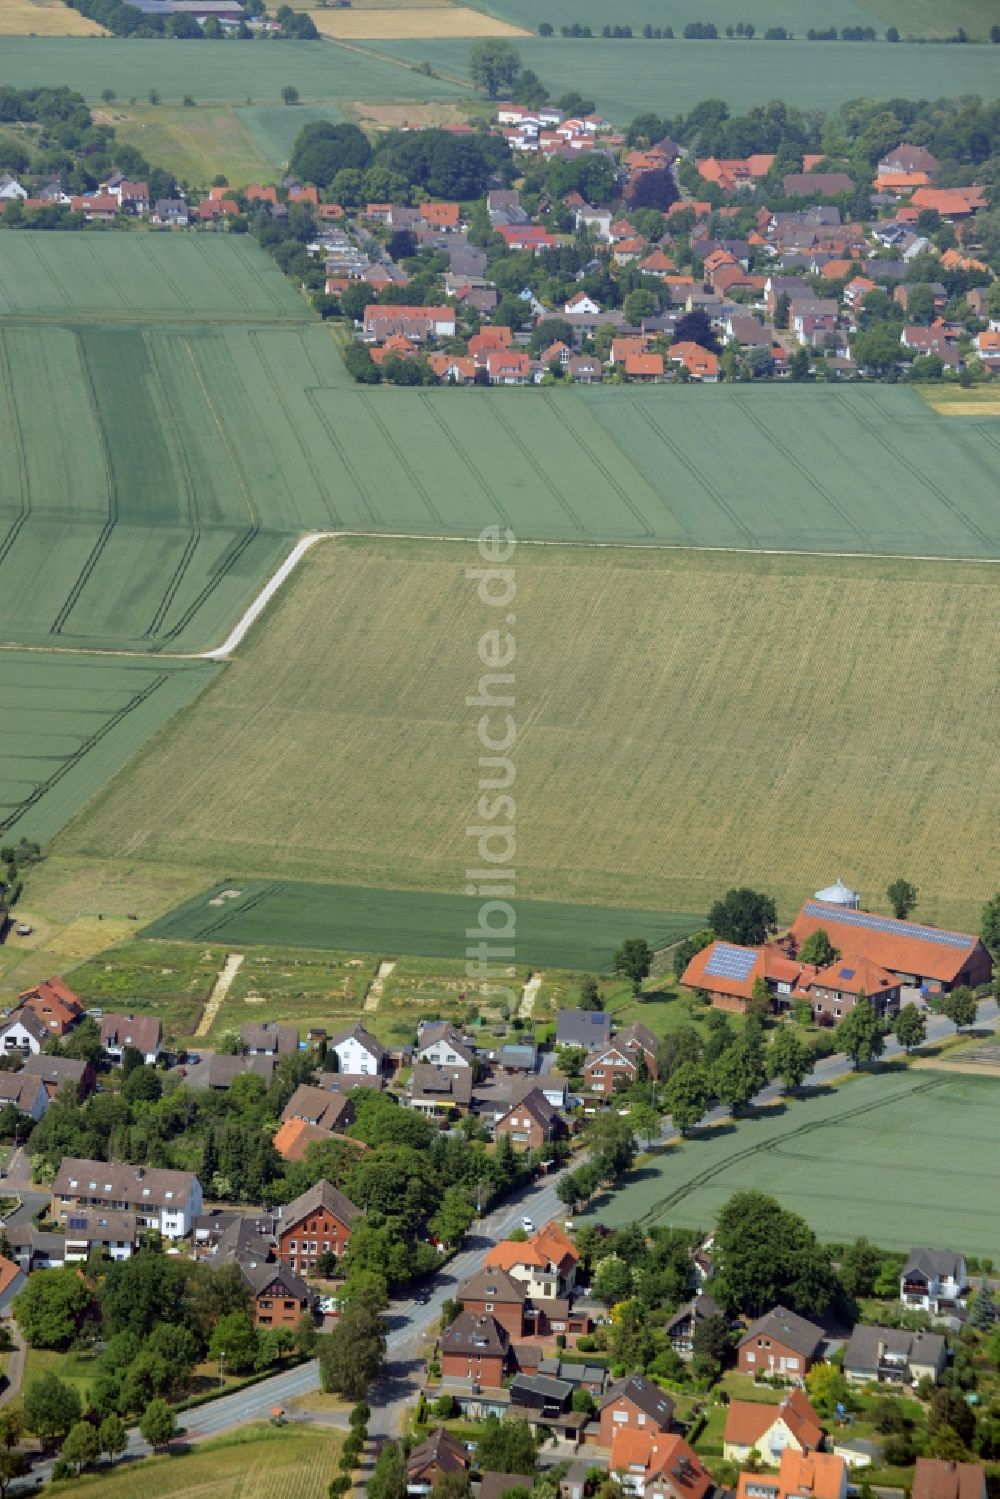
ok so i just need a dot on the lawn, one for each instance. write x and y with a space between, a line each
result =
898 1156
256 1462
237 72
77 1369
626 78
392 922
687 721
244 143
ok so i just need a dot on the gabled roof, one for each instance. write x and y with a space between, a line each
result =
747 1421
56 993
57 1070
143 1032
322 1195
319 1106
933 1478
8 1273
364 1038
786 1327
935 1264
645 1396
660 1456
443 1084
495 1485
700 1307
852 974
440 1449
493 1285
536 1104
261 1274
476 1332
899 946
867 1344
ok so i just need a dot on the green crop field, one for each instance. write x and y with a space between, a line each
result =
68 723
392 922
246 72
626 78
688 721
854 1160
245 143
922 18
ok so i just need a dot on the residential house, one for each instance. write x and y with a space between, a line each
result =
280 1297
477 1347
10 188
22 1034
934 1280
141 1033
212 209
585 369
916 954
496 1292
293 1138
907 158
318 1106
635 1404
811 318
802 1475
25 1093
58 1072
531 1123
701 364
769 1429
647 369
436 1090
315 1223
172 211
221 1072
508 367
436 322
357 1051
988 348
55 1004
12 1281
545 1265
653 1465
824 184
586 1028
597 220
542 1397
440 1043
265 1039
891 1355
115 1234
952 204
446 217
435 1457
687 1319
934 1478
780 1343
167 1201
835 990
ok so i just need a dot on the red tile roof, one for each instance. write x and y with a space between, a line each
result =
899 946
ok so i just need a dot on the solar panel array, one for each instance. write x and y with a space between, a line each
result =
872 923
846 973
730 962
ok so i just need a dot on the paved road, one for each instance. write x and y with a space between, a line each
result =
410 1320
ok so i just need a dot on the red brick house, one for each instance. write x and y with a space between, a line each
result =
476 1347
836 990
531 1123
54 1004
933 1478
499 1294
635 1404
780 1343
280 1297
318 1222
439 1454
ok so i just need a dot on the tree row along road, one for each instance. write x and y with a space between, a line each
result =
410 1321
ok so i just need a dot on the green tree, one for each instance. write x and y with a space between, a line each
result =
290 94
910 1027
960 1007
878 349
982 1308
827 1388
590 995
782 309
686 1095
639 304
645 1122
50 1406
744 916
740 1072
800 365
712 1345
766 1256
860 1267
352 1356
632 1336
860 1034
454 1217
12 1465
52 1307
82 1445
689 947
507 1446
158 1424
388 1478
113 1436
989 926
901 894
789 1058
234 1339
612 1280
818 949
493 67
633 961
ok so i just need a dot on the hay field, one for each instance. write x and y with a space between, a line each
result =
411 23
44 18
686 722
846 1161
627 78
257 1462
952 400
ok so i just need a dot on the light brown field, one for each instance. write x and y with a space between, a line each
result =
425 22
952 400
398 116
44 18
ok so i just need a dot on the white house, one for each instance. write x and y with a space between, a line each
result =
23 1033
933 1279
598 220
10 188
168 1201
143 1033
441 1044
357 1051
580 302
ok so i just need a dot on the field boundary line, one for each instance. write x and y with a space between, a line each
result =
265 596
84 575
695 472
527 453
22 458
267 369
351 45
562 418
463 452
364 493
194 521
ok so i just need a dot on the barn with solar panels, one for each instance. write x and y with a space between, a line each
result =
927 957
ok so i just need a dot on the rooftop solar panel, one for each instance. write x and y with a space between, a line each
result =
871 923
730 962
845 973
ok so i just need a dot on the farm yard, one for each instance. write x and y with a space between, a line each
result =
854 1160
419 923
687 721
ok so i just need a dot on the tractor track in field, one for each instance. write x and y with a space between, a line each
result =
7 380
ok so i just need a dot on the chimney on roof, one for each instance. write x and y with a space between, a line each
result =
140 1172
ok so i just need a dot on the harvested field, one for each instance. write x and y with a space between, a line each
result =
950 400
844 1160
44 18
687 721
411 23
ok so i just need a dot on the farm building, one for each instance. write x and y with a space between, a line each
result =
916 954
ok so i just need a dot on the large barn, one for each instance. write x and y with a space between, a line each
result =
924 956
